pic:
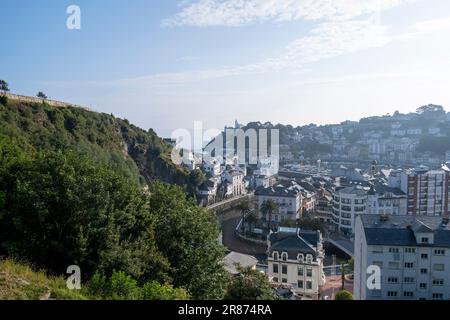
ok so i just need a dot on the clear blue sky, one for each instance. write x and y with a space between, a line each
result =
163 64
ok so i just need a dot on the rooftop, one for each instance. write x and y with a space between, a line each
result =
288 240
279 191
401 230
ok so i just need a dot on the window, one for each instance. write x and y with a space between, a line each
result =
275 280
408 294
423 271
300 258
438 282
309 272
276 256
378 264
438 296
410 250
424 256
393 265
284 269
376 293
392 294
300 284
275 268
439 267
284 280
392 280
409 265
423 286
284 256
309 259
409 280
439 252
300 271
309 285
376 249
425 240
393 250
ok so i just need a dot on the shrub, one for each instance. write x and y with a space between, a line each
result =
344 295
3 99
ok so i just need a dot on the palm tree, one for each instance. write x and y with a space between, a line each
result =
251 219
244 208
268 207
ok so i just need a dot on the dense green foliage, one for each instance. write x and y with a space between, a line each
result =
188 236
344 295
121 286
250 285
138 154
59 208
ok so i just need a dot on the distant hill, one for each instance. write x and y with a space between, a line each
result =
137 153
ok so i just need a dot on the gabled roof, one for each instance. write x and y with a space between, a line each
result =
294 243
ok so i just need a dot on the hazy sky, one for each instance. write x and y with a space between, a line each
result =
163 64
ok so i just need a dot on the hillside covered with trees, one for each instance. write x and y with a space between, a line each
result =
140 155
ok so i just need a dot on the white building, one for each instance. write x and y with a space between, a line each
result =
236 179
384 200
212 167
350 202
347 203
413 254
295 259
428 190
268 166
288 200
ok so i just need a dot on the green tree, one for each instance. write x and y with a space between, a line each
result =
251 219
60 209
308 223
344 295
244 208
268 207
156 291
188 237
250 285
41 95
4 86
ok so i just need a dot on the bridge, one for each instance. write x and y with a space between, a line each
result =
229 203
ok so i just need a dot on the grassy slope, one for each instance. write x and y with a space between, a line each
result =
19 282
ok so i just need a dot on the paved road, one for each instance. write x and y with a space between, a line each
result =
229 224
333 286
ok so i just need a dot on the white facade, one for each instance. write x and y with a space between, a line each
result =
297 263
236 179
427 190
268 166
347 203
212 167
288 200
414 263
387 203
